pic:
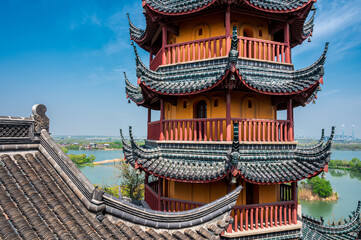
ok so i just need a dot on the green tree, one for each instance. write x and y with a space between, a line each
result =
132 185
320 186
91 158
65 150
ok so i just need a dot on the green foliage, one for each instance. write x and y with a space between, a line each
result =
354 164
115 145
65 150
72 147
112 190
132 185
320 186
81 158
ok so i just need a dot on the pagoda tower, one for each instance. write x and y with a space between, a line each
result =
220 72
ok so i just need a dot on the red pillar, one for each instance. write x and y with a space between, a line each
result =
149 115
150 56
161 136
287 42
290 118
228 27
295 199
228 116
164 42
160 190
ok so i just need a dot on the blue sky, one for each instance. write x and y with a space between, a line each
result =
70 56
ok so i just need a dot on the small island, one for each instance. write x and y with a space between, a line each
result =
317 189
80 159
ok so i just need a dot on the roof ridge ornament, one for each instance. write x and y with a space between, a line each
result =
41 120
233 53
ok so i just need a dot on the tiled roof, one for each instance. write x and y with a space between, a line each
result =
135 32
308 26
280 81
178 6
268 78
43 195
278 5
182 79
258 163
133 92
314 229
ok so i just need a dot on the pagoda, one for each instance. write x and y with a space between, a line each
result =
220 72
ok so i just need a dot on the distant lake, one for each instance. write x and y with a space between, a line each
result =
348 155
100 155
348 185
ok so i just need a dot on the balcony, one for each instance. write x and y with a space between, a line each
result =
215 129
210 48
247 218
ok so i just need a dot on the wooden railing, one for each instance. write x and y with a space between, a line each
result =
219 46
264 130
153 130
214 129
200 129
151 197
175 205
156 61
195 50
263 50
255 216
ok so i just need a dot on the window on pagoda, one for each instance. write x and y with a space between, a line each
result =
215 103
201 109
248 32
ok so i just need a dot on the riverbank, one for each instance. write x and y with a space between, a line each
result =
306 194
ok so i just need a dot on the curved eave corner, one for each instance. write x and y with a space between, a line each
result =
182 8
136 34
303 163
296 81
278 6
308 26
152 161
169 83
134 93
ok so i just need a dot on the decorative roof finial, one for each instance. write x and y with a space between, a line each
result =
233 53
41 120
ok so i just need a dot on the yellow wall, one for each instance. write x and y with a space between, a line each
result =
208 192
213 25
261 106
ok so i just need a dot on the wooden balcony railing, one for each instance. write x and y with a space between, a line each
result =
219 46
214 129
246 217
151 197
255 216
175 205
263 50
156 61
264 130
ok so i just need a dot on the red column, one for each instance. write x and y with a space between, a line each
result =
149 115
160 190
287 42
164 42
150 56
295 199
228 28
290 118
228 116
161 136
